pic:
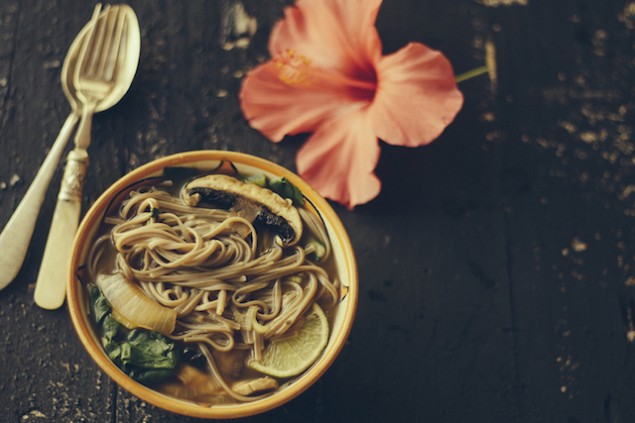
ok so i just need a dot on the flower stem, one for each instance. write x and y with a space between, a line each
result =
471 74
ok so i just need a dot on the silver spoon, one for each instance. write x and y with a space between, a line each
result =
103 73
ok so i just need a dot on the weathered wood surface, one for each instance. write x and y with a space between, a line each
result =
496 267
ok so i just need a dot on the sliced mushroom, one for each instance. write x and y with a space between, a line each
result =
260 205
254 386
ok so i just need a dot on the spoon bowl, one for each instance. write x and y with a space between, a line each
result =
126 68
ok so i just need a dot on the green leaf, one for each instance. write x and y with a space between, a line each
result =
110 329
100 305
286 189
260 180
146 356
149 377
151 350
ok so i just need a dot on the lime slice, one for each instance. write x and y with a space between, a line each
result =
291 356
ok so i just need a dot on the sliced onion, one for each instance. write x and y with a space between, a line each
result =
132 307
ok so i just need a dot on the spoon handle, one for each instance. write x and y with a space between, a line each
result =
50 286
16 235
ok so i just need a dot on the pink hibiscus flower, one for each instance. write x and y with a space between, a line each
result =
328 76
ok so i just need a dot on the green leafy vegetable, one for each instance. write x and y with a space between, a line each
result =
100 305
110 329
260 180
146 356
150 350
286 189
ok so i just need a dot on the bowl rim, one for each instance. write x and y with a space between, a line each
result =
94 349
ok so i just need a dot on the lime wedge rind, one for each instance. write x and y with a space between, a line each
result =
292 356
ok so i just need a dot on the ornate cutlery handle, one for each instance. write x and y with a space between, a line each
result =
50 289
74 176
16 235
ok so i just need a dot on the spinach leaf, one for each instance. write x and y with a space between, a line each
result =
150 350
150 376
286 189
110 329
100 305
146 356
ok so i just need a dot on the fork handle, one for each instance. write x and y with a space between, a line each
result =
82 137
16 235
50 287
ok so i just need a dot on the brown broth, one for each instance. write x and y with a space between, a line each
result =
107 265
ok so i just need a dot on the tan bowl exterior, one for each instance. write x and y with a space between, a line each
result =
77 296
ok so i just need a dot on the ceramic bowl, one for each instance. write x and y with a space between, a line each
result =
341 321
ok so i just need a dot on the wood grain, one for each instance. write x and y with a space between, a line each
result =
496 266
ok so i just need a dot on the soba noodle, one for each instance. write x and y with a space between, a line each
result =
234 287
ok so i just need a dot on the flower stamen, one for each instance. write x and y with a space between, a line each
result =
296 70
293 68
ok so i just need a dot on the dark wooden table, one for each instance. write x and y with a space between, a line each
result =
496 266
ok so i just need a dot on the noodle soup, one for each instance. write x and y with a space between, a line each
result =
216 284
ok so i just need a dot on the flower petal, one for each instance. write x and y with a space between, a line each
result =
340 158
333 34
276 108
417 96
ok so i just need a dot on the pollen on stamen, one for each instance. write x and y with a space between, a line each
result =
293 68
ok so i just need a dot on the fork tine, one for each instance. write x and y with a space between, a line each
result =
120 44
109 28
89 39
106 68
98 41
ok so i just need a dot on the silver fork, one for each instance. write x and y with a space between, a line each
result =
95 79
